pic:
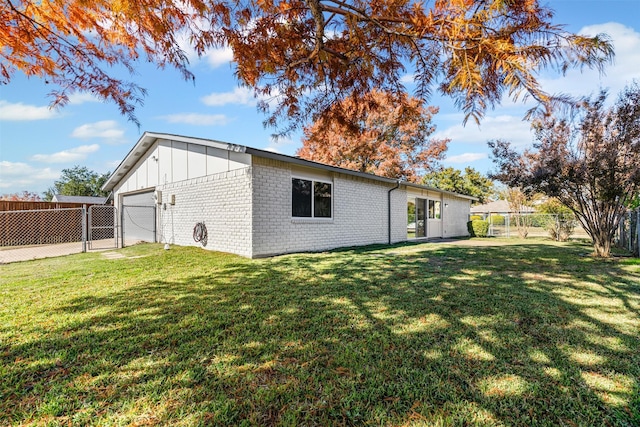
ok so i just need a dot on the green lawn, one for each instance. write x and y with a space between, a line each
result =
530 333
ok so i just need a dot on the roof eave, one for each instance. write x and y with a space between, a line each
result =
310 163
149 138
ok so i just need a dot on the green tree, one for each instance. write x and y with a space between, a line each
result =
470 182
78 181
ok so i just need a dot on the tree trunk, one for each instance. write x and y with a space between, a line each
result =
601 244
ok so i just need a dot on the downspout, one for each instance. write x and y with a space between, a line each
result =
389 208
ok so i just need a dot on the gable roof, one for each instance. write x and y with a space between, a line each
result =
499 206
79 199
149 138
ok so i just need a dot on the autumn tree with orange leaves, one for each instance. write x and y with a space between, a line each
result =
299 56
25 196
383 135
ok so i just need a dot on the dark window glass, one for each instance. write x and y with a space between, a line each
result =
321 200
301 205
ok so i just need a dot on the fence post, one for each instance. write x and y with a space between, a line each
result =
84 228
620 235
508 224
630 242
155 223
116 230
491 225
122 225
638 232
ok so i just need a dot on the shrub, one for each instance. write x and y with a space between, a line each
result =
560 221
497 220
478 228
474 217
561 227
522 223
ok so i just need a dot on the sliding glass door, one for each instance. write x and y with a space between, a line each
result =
416 218
423 218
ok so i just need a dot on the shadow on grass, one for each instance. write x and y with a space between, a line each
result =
519 335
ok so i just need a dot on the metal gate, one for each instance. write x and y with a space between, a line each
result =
102 227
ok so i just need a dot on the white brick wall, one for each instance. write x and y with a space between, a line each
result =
248 212
455 216
359 213
399 215
222 201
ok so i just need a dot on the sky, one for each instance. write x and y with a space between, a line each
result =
37 142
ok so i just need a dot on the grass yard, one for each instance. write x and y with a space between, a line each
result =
530 333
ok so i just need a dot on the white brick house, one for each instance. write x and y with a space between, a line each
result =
257 203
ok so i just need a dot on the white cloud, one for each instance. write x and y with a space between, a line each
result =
217 57
214 57
21 112
67 156
239 96
625 68
465 158
197 119
79 98
113 164
506 122
108 130
18 176
183 42
408 79
278 144
506 127
13 168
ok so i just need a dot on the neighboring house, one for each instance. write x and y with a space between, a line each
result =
59 198
498 207
258 203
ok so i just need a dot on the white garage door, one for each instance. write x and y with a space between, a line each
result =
138 216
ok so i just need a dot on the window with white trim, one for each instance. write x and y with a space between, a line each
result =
311 199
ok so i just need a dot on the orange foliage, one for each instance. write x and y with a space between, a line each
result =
306 54
378 133
25 196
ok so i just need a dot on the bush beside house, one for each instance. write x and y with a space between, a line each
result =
478 228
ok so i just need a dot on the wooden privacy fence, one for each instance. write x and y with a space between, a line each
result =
6 205
628 236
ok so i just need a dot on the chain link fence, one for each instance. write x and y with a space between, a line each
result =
43 233
556 227
559 227
102 227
